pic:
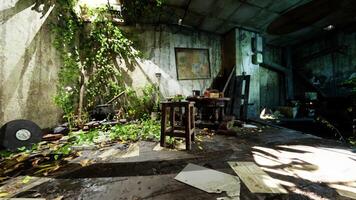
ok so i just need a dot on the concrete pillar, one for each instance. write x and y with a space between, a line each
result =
244 64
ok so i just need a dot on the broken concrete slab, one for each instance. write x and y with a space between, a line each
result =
209 180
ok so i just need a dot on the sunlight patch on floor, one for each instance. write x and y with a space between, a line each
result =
333 166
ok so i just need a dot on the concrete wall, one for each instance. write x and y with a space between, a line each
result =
244 64
266 86
273 54
157 44
328 61
272 88
28 64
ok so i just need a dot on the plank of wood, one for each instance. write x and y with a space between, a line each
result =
345 189
256 180
346 193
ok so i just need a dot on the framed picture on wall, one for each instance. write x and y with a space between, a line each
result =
192 63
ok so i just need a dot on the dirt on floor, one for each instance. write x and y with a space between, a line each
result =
308 167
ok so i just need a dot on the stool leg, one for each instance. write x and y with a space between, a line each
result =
188 139
163 126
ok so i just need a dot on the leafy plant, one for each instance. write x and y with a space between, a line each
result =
90 43
139 106
350 83
145 130
139 9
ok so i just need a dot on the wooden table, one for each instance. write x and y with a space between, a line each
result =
212 109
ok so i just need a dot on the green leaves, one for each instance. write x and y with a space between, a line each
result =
141 9
90 41
143 130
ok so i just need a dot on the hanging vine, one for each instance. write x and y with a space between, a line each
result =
90 42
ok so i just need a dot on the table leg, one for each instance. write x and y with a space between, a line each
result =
163 126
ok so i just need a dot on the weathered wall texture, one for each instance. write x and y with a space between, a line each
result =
266 88
328 61
272 88
273 54
244 64
28 64
157 44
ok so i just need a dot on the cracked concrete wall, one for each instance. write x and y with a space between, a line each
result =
28 64
157 45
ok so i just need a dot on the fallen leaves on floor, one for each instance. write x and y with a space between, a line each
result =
3 194
26 179
48 168
85 162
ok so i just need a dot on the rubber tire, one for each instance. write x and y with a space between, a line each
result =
8 131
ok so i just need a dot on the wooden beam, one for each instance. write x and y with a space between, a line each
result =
276 67
255 179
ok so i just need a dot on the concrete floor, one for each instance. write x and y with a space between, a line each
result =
307 166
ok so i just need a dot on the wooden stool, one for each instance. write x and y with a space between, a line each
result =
187 126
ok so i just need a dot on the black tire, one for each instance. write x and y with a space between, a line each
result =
19 133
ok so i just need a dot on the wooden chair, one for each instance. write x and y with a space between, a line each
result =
182 127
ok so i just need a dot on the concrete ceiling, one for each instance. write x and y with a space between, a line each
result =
282 22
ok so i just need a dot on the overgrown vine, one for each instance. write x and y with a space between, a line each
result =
90 43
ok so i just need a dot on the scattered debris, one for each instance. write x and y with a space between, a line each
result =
16 186
59 198
158 147
123 121
52 137
132 151
210 181
61 130
109 153
256 180
3 194
85 162
26 179
267 114
249 126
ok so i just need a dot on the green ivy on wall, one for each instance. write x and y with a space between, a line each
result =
90 42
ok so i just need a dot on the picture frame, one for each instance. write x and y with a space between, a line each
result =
192 63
